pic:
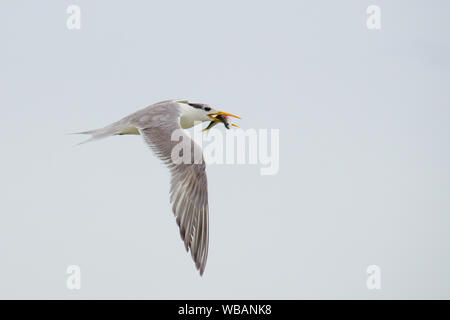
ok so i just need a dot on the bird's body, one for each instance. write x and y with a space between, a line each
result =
189 191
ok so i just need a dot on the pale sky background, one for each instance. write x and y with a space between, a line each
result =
364 148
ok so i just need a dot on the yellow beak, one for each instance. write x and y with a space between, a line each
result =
221 113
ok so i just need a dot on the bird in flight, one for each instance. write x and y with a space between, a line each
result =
189 189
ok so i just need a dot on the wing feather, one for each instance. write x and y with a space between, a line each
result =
189 187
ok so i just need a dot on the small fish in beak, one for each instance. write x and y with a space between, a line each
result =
221 117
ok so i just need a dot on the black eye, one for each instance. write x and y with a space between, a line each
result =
207 109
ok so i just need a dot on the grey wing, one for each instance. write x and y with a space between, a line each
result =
189 189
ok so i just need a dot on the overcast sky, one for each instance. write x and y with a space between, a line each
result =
364 173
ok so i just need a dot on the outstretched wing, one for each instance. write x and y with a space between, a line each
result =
189 189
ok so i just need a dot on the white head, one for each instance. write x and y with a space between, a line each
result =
194 113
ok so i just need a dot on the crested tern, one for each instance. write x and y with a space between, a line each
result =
189 190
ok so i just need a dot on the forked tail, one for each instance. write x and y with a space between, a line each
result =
97 134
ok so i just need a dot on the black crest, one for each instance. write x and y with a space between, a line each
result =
200 106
